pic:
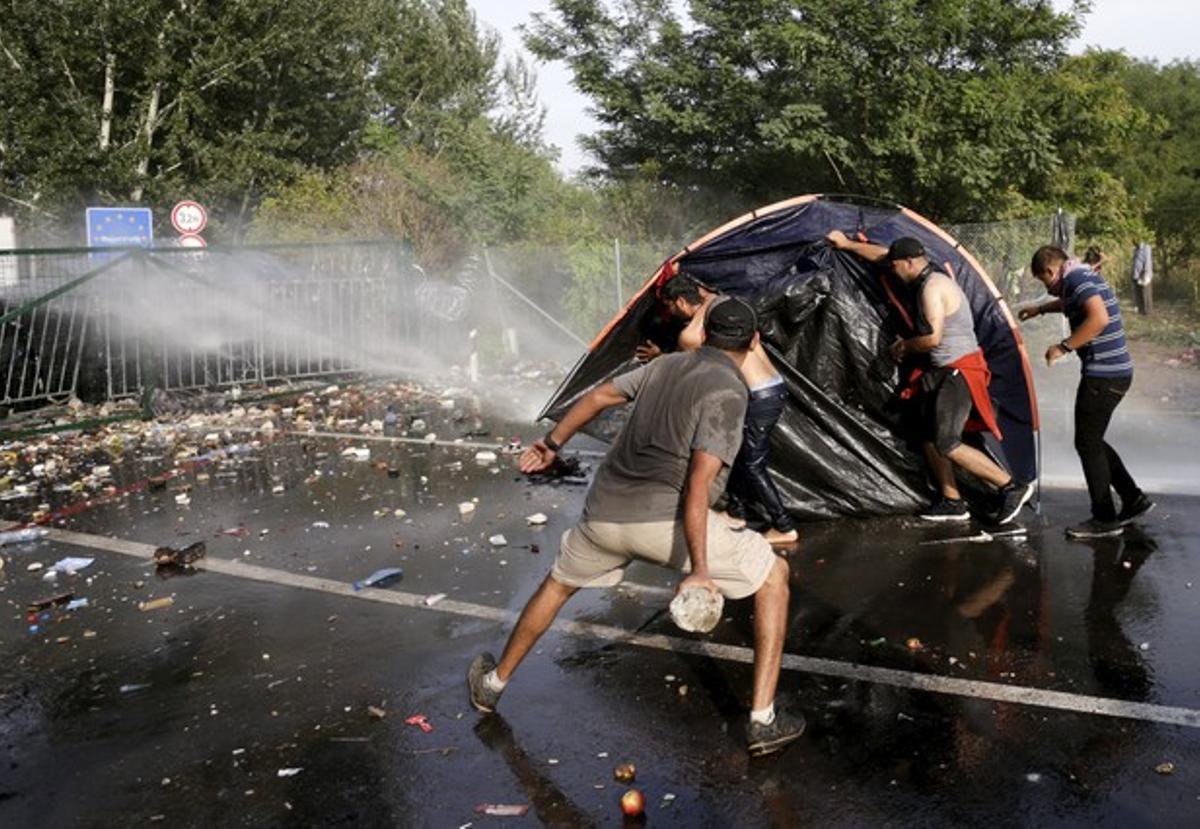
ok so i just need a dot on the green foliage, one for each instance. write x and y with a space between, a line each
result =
935 104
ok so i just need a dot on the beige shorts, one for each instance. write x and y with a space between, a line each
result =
595 554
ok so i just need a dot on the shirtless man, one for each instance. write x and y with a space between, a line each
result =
749 481
955 382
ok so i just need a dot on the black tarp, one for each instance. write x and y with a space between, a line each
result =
827 319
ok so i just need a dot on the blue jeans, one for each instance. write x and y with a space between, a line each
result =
750 484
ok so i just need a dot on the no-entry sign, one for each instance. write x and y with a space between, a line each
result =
188 218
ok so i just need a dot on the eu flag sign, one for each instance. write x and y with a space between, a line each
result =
120 227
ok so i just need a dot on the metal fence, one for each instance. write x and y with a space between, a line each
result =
111 323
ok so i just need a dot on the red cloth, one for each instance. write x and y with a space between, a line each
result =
975 371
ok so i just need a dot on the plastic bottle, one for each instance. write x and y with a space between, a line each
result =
380 578
22 536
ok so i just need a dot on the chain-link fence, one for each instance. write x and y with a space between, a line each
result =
1004 249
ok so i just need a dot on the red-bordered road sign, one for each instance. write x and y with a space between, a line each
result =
189 218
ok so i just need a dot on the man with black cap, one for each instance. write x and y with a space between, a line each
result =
951 386
652 500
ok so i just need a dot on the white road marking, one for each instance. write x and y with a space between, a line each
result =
997 692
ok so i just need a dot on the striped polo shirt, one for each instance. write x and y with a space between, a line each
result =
1108 354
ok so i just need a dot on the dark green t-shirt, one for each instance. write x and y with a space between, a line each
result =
684 401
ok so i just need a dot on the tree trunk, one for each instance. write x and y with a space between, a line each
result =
143 165
106 109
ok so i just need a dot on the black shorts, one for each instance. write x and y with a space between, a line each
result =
942 408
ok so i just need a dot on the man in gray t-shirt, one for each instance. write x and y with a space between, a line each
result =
652 500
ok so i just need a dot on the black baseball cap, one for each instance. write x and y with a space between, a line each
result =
906 247
730 324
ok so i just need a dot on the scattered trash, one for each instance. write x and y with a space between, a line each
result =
183 499
34 566
181 556
129 689
537 519
420 721
320 525
668 798
981 537
72 565
1145 646
288 772
39 605
697 609
156 604
357 453
376 713
1033 777
22 536
625 773
1165 768
380 578
430 601
76 604
466 508
633 803
485 457
502 809
498 541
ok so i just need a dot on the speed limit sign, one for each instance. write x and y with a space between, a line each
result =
188 218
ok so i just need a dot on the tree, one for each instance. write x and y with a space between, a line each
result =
939 105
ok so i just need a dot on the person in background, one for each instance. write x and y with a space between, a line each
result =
1098 336
1095 258
955 383
1143 274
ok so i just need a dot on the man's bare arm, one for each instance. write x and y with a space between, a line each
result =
867 250
702 471
539 456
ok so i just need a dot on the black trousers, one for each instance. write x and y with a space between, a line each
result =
750 483
1095 401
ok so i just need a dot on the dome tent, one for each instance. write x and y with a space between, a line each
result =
827 318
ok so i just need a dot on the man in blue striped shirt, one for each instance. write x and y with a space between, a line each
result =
1098 335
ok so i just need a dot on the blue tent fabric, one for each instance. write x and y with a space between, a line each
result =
827 319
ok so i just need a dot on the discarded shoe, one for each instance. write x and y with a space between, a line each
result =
179 557
483 698
786 728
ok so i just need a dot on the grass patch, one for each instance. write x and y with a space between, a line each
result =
1174 324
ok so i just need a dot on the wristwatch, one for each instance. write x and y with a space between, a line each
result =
1063 345
551 443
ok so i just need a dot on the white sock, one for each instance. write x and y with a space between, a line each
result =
493 682
763 716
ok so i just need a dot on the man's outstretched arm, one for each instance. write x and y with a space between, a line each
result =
539 456
870 252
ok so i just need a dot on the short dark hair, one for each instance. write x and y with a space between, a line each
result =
906 247
681 286
1046 257
730 324
1093 255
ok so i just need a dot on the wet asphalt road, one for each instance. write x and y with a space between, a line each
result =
241 678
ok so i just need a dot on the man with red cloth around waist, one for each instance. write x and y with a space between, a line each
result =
951 395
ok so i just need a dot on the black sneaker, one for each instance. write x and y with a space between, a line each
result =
1134 510
482 697
1095 528
766 739
947 509
1015 496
